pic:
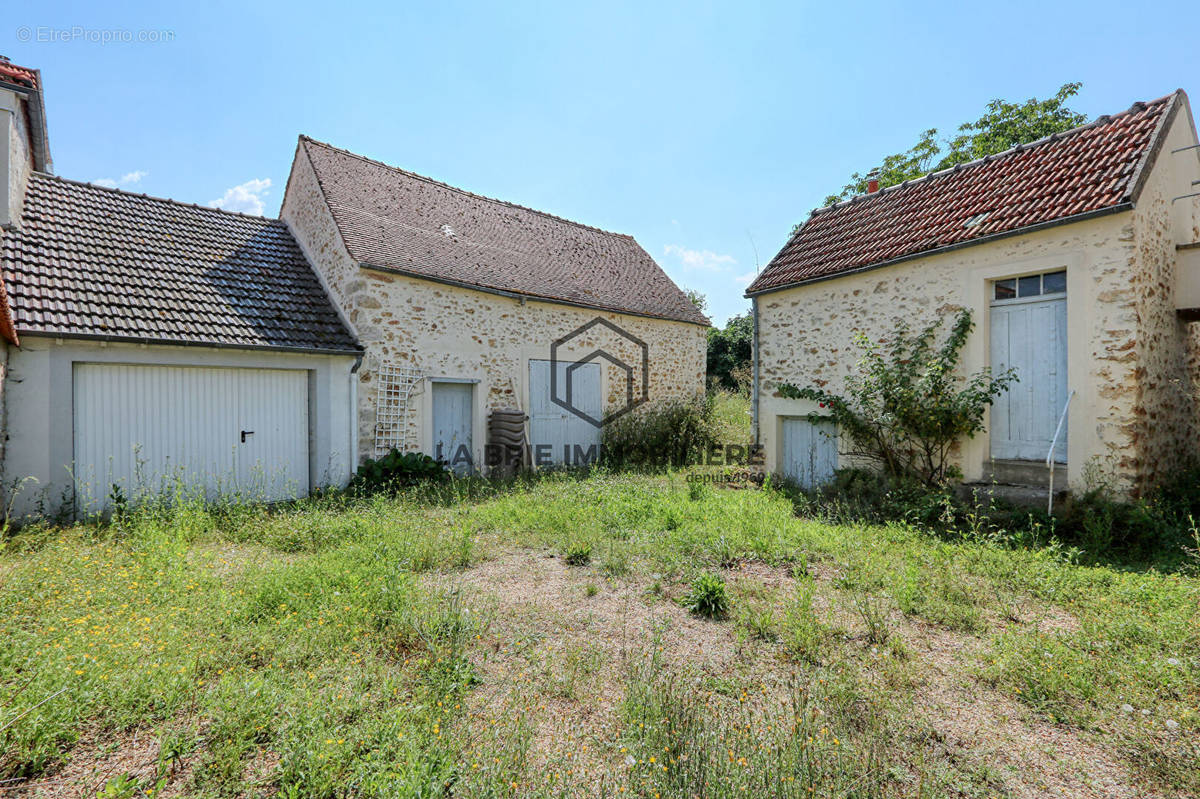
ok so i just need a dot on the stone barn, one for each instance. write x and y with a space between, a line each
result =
466 304
1079 256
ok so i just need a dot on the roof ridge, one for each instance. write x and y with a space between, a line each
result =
1103 119
154 198
444 185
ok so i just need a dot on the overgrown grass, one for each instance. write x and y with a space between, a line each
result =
730 417
299 650
821 735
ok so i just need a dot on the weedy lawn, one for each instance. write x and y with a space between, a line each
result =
537 640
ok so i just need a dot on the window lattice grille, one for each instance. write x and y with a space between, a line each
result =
397 384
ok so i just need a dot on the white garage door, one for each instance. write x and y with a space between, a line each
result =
154 429
809 451
556 435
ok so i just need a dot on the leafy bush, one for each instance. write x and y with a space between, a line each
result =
394 471
907 408
708 597
1157 529
670 433
729 352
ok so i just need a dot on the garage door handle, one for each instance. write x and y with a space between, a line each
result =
246 433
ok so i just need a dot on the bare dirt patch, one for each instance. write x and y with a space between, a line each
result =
558 652
560 655
99 758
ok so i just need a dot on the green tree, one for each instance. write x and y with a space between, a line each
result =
905 406
729 353
1002 126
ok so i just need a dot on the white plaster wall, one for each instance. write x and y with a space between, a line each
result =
5 348
39 397
453 332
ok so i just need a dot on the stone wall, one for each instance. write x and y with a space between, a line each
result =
1163 420
445 331
1134 365
807 333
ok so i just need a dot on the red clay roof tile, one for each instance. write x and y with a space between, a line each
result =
1086 170
20 76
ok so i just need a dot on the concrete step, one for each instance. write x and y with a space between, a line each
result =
1024 473
981 494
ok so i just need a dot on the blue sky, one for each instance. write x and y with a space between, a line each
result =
705 130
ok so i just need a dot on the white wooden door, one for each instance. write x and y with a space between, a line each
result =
1031 337
452 416
809 453
556 435
148 430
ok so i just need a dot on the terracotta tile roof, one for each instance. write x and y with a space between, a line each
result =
19 76
102 263
1088 170
393 219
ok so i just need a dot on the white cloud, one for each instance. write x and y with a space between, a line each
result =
746 279
247 198
704 260
128 179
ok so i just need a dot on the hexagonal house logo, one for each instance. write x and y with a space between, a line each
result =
564 400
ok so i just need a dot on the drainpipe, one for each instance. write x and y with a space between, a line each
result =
754 387
354 414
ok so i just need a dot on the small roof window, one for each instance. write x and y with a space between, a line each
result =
976 220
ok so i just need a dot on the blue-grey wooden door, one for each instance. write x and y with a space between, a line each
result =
452 417
556 435
1030 337
809 451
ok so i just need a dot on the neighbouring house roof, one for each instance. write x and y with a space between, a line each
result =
19 76
1090 170
28 82
92 262
395 220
